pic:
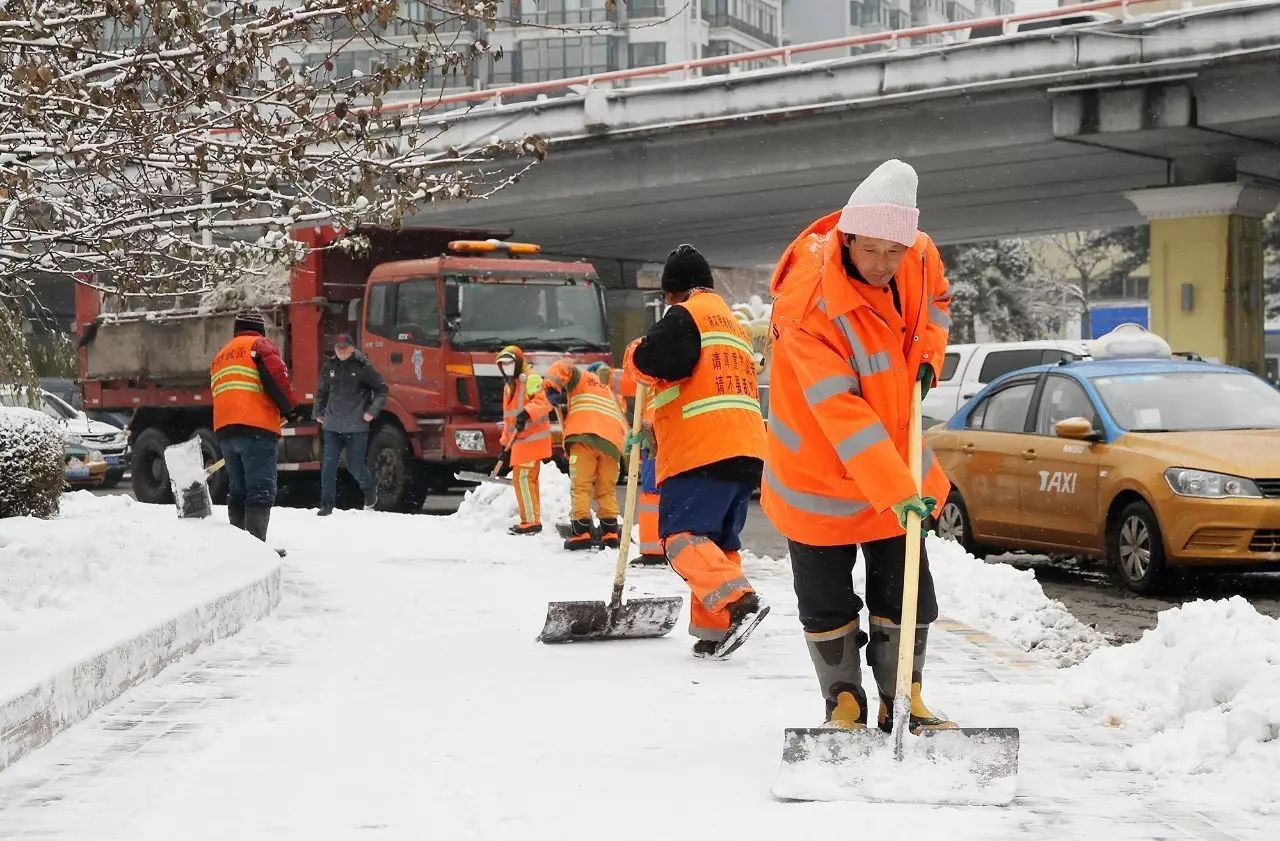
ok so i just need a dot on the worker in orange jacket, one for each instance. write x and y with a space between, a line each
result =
594 433
861 314
624 386
699 363
526 435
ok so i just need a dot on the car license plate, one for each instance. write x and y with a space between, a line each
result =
113 461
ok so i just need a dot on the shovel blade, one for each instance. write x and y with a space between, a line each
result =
480 478
967 766
590 621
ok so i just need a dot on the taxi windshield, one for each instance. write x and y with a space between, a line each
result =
1185 401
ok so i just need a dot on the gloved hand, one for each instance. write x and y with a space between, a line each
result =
925 376
561 463
633 440
504 464
923 506
298 414
522 420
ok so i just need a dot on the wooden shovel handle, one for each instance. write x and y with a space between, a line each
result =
910 583
629 502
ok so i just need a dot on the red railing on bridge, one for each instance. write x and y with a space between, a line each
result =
786 53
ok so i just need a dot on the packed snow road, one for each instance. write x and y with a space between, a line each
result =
398 693
1084 588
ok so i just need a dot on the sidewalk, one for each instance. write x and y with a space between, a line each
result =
399 694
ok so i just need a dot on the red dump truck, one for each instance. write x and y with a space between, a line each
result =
430 306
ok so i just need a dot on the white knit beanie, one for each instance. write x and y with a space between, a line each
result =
884 205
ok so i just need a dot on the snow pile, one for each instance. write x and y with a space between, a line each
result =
1008 603
258 286
1200 697
32 462
108 569
492 506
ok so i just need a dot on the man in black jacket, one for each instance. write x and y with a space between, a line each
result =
349 397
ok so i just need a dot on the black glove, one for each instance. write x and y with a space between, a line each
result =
504 464
298 414
562 463
522 420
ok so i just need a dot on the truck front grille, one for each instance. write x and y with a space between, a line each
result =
490 398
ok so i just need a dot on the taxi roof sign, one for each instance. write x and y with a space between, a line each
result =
1130 341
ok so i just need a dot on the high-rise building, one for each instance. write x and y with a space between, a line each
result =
818 20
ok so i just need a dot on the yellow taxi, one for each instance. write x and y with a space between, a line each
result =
1148 461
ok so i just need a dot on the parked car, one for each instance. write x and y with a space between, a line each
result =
1150 463
85 466
967 368
108 440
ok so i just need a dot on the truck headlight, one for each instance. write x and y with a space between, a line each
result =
1205 484
469 440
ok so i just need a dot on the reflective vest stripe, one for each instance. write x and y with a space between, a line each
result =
717 404
235 369
864 363
665 396
862 440
938 317
716 339
828 387
715 599
236 385
786 436
811 503
594 403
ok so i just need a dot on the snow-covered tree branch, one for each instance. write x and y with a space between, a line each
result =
164 145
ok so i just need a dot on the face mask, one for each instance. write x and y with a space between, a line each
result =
507 367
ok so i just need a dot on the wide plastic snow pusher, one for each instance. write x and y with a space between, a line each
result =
587 621
969 765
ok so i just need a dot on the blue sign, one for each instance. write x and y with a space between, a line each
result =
1103 319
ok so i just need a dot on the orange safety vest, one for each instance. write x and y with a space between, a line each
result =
533 443
713 414
840 390
238 396
593 410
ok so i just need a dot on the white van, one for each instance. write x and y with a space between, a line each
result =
967 368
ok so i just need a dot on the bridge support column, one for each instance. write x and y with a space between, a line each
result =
1206 268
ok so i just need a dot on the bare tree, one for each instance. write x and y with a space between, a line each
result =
1098 260
162 146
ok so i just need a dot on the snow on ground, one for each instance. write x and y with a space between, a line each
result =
404 697
1199 696
105 570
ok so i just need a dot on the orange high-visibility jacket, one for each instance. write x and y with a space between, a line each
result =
239 398
713 414
591 408
840 390
533 443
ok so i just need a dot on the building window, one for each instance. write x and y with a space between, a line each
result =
755 18
647 9
554 58
553 12
647 55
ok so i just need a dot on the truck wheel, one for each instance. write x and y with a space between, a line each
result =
150 476
211 452
401 480
1135 549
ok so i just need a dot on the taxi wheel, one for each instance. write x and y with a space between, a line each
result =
1136 549
953 524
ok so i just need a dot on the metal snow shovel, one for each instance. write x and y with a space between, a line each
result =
584 621
968 765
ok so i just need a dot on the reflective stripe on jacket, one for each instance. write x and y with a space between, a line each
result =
844 364
713 414
590 407
239 398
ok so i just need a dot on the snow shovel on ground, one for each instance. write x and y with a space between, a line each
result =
585 621
964 766
189 478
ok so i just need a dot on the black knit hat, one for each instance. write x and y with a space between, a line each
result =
686 269
251 321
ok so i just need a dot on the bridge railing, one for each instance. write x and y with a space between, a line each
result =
783 54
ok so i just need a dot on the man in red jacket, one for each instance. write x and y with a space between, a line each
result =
251 397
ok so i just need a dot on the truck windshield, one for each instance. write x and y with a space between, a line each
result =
565 316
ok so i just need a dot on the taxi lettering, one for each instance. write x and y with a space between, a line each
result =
1057 482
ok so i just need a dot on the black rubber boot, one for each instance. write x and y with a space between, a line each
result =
610 536
837 659
235 513
580 536
256 520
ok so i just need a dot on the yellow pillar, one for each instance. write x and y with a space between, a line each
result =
1206 268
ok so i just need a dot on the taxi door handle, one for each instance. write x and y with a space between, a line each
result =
968 449
1028 455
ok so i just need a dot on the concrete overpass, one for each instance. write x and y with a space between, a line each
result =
1175 115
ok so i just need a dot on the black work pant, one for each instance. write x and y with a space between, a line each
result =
824 583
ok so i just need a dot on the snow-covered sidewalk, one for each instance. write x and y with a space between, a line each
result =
106 595
398 692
